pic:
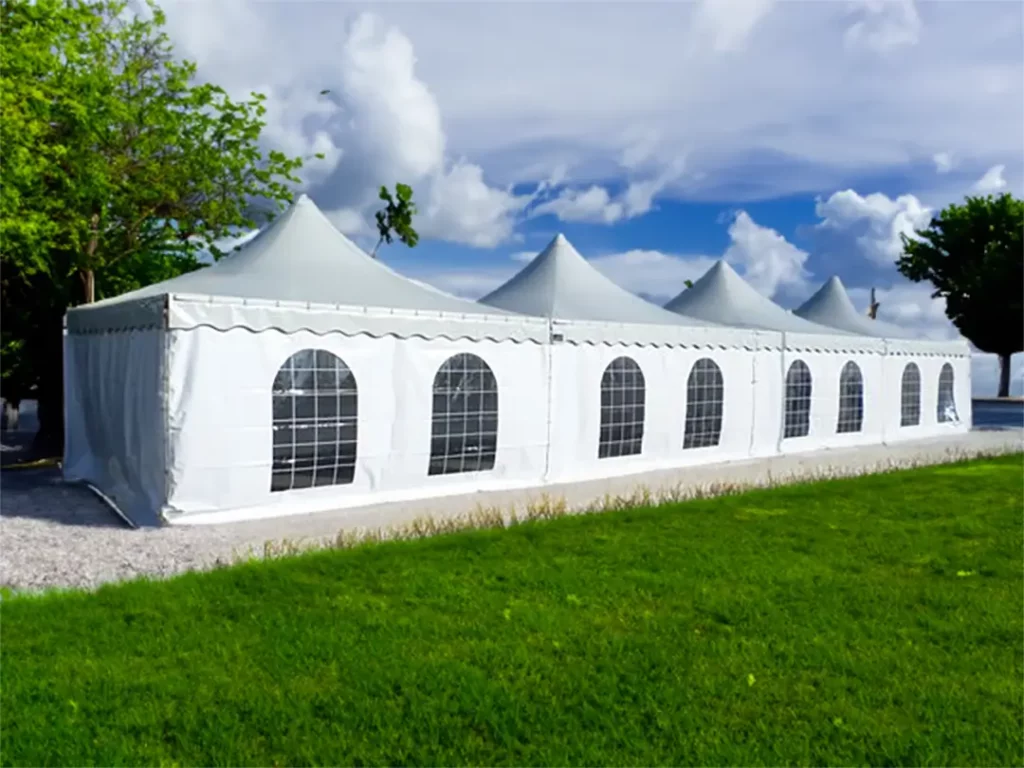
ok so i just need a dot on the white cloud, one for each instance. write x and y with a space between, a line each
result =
751 83
884 25
657 275
379 123
874 222
943 162
461 207
769 261
992 181
523 257
596 205
728 25
593 204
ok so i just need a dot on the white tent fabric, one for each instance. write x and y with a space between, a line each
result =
831 306
300 375
559 283
299 259
722 296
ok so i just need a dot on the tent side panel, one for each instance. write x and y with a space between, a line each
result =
767 395
929 365
223 419
577 372
114 428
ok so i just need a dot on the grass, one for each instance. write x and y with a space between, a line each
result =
874 620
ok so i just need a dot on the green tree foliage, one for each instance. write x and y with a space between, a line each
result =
395 220
118 171
974 256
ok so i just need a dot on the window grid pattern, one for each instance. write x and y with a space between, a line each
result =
315 407
910 396
798 401
946 408
851 399
623 392
464 419
705 404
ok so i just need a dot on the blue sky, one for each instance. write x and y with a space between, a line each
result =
794 139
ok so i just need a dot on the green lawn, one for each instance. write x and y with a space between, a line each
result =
873 621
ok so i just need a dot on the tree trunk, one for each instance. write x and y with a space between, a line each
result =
87 275
88 286
1004 375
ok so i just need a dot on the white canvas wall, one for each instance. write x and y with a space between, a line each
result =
930 367
220 421
576 408
180 422
113 417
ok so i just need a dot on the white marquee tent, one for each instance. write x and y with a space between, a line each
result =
828 350
299 374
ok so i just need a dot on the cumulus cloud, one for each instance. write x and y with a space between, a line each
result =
596 204
943 162
992 181
873 223
812 114
461 207
378 124
769 261
884 24
394 133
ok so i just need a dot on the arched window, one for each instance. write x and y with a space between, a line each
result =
946 408
705 401
464 424
315 406
622 409
851 399
910 396
798 401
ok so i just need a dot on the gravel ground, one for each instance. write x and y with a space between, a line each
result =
55 535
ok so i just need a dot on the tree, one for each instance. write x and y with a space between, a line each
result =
118 170
395 220
688 283
972 254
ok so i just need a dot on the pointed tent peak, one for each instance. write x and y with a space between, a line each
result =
722 296
560 247
301 256
832 306
830 298
560 283
722 270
